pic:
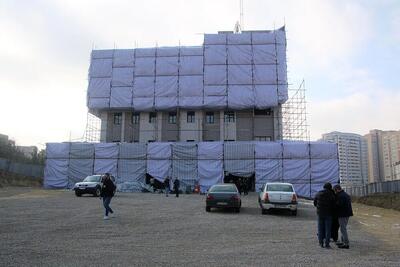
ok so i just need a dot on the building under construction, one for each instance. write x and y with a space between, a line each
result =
199 114
229 89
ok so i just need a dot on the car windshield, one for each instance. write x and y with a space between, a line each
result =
223 188
280 187
93 178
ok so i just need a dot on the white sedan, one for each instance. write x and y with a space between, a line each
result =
278 196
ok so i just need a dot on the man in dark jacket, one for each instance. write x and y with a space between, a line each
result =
176 186
335 222
344 212
167 185
324 201
107 192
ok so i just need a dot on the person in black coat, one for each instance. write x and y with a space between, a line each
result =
344 212
167 185
335 223
107 192
176 186
324 201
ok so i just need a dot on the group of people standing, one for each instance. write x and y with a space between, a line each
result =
333 210
167 185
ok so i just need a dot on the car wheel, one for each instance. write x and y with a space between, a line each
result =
264 211
208 209
294 212
97 192
77 194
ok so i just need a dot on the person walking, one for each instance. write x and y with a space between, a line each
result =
324 201
107 192
176 186
344 212
167 185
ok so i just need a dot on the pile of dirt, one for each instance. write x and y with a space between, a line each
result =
385 200
12 179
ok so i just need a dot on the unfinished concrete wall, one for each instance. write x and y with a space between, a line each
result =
169 129
211 131
244 125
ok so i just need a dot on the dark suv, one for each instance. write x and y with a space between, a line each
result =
90 185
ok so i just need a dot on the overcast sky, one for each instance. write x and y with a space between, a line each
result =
348 52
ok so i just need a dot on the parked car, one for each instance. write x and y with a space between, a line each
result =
223 196
278 196
92 184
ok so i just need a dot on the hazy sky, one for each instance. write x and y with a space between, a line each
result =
348 52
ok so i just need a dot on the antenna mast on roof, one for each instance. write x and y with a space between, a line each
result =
239 26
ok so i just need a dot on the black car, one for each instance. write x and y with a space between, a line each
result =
223 196
90 185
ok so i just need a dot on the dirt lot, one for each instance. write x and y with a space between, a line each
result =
55 228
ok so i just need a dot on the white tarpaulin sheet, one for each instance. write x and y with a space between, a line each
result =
324 165
297 172
131 165
159 160
184 163
81 151
122 77
121 97
268 163
98 103
57 150
56 173
106 158
296 166
160 77
78 169
99 87
239 158
210 164
124 58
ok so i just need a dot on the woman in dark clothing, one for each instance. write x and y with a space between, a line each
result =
335 223
107 192
176 186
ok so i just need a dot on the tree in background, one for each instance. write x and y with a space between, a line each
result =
8 150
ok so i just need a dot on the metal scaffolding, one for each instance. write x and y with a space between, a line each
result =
294 115
93 127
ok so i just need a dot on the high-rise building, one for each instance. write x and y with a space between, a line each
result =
352 151
383 153
229 89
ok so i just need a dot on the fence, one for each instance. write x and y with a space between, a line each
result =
373 188
307 165
30 170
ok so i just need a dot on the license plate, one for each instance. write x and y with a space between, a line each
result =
222 203
280 206
82 187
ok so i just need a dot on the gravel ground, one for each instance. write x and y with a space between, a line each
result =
55 228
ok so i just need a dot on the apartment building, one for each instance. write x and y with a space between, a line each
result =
352 151
383 153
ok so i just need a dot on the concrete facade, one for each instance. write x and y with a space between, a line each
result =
352 157
190 125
